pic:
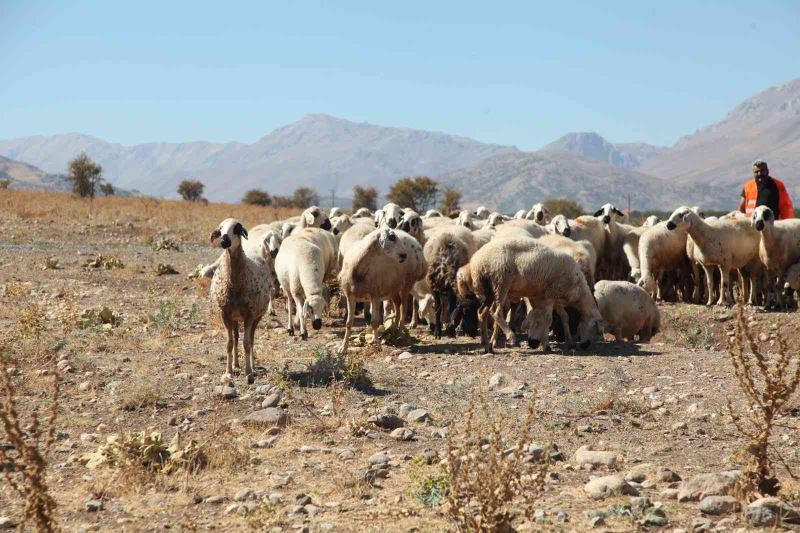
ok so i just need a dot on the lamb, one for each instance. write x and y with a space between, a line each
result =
779 247
445 251
432 213
313 217
362 212
340 224
539 213
305 260
495 219
465 219
383 265
241 289
514 268
482 213
725 244
559 225
627 310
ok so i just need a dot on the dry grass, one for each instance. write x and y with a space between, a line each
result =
490 477
184 219
767 382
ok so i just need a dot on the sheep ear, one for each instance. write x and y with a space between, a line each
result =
239 230
686 216
309 219
598 212
383 242
216 234
617 211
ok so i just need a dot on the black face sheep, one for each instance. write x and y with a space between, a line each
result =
241 289
539 214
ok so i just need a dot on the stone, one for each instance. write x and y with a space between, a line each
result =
419 415
716 505
94 506
665 475
640 472
712 484
403 434
597 521
227 392
406 408
271 417
7 523
440 433
771 511
701 523
595 457
656 517
679 425
302 499
215 499
640 503
347 454
243 495
405 356
387 421
614 485
379 459
496 380
513 392
271 400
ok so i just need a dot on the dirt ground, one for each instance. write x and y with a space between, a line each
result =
156 366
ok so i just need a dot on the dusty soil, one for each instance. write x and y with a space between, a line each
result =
157 366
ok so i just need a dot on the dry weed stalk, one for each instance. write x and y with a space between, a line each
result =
27 468
490 474
767 383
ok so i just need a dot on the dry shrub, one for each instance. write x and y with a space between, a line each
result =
767 382
148 452
138 392
490 474
30 443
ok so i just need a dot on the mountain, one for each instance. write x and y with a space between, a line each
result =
766 126
28 177
319 151
591 145
509 182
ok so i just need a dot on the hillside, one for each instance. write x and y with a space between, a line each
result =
28 177
591 145
320 151
766 126
510 182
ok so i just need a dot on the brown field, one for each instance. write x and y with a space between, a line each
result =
153 362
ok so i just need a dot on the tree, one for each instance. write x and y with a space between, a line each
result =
191 190
305 197
418 193
107 188
85 175
282 201
562 206
257 197
451 201
5 183
365 197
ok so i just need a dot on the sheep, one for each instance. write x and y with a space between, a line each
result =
779 246
515 226
432 213
482 213
627 310
305 260
465 219
412 224
662 251
340 224
651 221
792 278
539 214
612 257
286 229
520 214
432 223
362 212
725 244
241 289
358 231
314 217
521 267
383 265
581 251
630 247
445 251
495 219
586 228
559 225
390 215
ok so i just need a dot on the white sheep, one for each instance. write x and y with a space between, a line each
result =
588 228
432 213
313 217
726 244
482 213
627 310
581 251
465 218
412 224
539 214
390 215
383 265
651 221
241 290
612 260
513 268
340 224
362 212
305 260
335 212
779 248
630 247
661 251
520 214
495 219
559 225
517 225
358 231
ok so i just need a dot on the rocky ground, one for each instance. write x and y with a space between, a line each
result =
638 436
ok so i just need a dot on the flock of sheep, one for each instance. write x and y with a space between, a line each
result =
481 270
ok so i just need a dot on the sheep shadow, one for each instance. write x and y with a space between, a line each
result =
311 378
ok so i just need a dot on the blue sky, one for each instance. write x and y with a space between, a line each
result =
519 73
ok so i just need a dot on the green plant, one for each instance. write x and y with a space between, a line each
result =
428 487
327 367
166 318
85 175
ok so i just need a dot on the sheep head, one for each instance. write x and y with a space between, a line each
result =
561 225
465 219
314 217
607 211
762 216
482 213
391 246
539 213
229 234
391 215
590 329
341 224
682 216
272 243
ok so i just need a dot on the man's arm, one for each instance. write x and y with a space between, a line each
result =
742 203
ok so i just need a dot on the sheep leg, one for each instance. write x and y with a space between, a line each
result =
236 367
564 318
645 334
301 316
249 337
399 312
375 321
348 325
697 293
290 313
229 327
709 285
483 317
500 321
724 286
437 308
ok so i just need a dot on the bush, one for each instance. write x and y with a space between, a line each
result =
257 197
562 206
451 201
5 184
107 189
304 197
418 193
85 175
283 201
365 197
191 190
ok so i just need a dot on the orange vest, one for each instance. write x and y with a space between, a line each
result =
784 202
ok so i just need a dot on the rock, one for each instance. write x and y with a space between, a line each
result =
275 498
226 391
403 434
701 523
603 487
640 503
513 392
264 389
7 523
440 433
669 494
716 505
312 509
406 408
597 521
679 425
713 484
387 421
271 401
771 511
656 517
215 499
302 499
496 380
595 458
562 517
347 454
665 475
94 506
271 417
640 472
379 459
243 495
405 356
419 415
